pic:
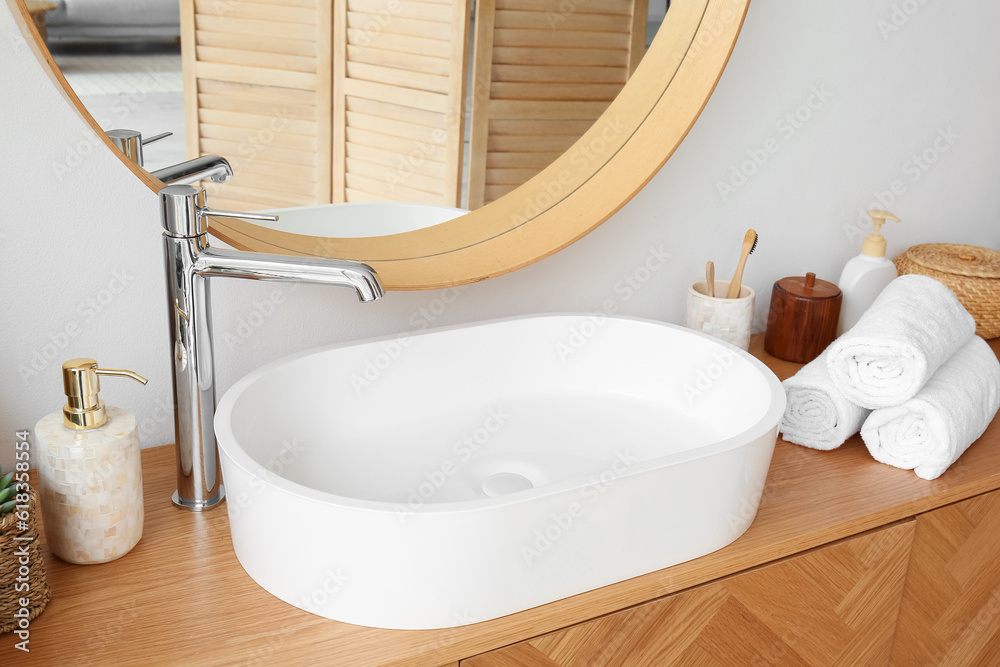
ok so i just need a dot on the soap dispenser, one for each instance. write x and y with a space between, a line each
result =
865 276
89 466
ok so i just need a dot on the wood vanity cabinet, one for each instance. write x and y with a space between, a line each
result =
923 591
950 612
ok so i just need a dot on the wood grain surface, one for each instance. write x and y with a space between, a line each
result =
181 597
951 610
835 605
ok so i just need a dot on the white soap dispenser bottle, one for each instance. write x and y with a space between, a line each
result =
865 276
90 472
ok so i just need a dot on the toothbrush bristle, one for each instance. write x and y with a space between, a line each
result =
754 246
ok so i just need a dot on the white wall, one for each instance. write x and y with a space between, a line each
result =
888 96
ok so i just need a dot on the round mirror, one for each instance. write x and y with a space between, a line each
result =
577 191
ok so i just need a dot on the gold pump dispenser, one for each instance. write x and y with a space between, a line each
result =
90 470
84 408
874 245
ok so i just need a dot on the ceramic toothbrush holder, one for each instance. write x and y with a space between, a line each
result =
730 320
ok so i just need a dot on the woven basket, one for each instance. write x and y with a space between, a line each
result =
971 272
11 575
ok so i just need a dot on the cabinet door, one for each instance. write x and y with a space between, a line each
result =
836 605
951 604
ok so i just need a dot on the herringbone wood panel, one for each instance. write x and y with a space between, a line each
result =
836 605
951 602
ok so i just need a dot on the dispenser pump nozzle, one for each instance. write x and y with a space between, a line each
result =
874 245
84 409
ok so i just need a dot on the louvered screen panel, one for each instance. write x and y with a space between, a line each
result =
544 71
258 91
399 72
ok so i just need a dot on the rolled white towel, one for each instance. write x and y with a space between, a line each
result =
913 327
816 413
931 430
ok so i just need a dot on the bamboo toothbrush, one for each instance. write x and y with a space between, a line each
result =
749 243
710 278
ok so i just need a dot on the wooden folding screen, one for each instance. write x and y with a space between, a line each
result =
399 81
258 91
314 101
543 72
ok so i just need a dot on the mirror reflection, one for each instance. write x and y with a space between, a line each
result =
313 101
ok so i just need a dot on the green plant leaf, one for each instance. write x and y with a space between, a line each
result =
5 481
6 494
7 507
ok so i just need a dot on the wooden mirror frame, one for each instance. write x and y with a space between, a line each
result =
580 190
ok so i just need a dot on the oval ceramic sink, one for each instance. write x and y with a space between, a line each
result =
463 474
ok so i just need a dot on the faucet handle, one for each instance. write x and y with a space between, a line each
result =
130 142
185 214
162 135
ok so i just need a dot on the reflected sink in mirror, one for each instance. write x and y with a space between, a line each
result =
361 219
458 475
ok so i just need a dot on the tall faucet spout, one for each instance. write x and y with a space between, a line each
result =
207 166
263 266
191 265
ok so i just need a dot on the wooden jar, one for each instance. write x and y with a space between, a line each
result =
802 319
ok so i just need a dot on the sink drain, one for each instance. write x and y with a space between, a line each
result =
503 483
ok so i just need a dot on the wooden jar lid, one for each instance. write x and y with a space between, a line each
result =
809 287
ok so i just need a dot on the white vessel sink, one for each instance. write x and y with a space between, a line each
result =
471 472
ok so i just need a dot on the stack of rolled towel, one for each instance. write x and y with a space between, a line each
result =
911 375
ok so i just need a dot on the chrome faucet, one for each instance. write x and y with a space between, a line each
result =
190 262
130 142
197 169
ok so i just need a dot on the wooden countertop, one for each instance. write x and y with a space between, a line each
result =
181 597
